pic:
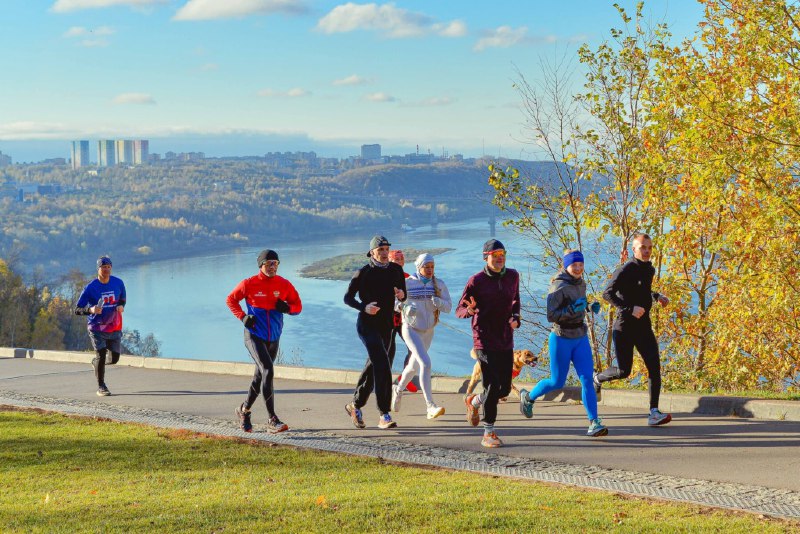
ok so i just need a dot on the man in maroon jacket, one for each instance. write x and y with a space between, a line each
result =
491 300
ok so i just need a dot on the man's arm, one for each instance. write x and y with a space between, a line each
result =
293 299
462 310
83 306
234 298
352 289
615 291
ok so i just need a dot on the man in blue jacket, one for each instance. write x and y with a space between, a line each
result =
491 301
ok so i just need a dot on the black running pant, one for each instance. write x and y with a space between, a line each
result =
377 373
99 364
264 354
496 368
644 341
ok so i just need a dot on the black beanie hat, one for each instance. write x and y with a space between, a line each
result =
267 255
378 241
491 245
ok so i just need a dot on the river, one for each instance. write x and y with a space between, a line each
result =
182 301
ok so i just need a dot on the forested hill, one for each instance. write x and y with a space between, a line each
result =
69 217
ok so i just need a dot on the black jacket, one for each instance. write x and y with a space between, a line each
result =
376 284
564 290
631 285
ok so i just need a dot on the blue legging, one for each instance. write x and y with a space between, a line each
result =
562 351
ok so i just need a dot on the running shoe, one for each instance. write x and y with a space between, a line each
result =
657 418
102 391
596 429
275 425
435 411
598 387
491 440
473 414
244 418
525 404
397 396
386 422
355 415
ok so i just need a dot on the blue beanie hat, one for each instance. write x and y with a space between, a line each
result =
572 257
103 260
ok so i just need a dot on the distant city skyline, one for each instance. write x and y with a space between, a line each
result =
245 77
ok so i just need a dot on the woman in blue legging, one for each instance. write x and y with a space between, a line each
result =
568 342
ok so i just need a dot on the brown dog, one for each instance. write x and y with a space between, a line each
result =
521 359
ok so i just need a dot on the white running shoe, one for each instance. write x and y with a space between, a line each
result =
657 418
397 396
435 411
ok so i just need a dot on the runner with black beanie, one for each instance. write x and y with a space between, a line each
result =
377 284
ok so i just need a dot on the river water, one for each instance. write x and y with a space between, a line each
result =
182 301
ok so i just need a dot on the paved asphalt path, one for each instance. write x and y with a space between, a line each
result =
720 449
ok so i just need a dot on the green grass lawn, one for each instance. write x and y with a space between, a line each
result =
65 474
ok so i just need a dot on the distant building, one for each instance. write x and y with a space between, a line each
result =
106 153
5 159
54 161
80 154
141 151
370 151
124 152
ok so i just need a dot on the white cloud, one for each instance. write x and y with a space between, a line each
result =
456 28
353 79
390 20
502 37
295 92
63 6
80 31
435 101
27 130
380 97
134 98
94 43
226 9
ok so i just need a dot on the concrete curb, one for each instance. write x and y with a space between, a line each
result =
777 410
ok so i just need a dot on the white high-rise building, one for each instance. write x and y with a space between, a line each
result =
80 154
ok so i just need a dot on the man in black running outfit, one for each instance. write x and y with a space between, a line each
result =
630 291
377 284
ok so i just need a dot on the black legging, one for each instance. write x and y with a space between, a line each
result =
377 372
643 339
264 354
496 371
99 362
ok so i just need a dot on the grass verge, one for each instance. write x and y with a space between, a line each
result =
68 474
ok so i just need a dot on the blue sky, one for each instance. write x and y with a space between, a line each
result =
244 77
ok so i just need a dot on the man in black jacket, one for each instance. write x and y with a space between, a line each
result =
630 290
377 284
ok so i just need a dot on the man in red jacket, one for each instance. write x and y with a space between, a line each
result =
268 297
491 301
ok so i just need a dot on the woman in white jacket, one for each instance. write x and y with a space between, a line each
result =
426 297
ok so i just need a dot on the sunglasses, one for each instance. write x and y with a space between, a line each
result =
496 254
271 263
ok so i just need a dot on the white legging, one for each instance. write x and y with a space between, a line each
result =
418 342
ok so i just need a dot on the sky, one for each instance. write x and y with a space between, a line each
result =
246 77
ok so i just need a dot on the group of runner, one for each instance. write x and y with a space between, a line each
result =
389 302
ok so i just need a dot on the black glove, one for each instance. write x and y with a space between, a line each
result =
249 320
282 306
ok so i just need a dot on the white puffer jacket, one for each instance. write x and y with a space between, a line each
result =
423 301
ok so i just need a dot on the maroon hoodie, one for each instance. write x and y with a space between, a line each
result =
497 299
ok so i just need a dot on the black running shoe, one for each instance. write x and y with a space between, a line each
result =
244 419
275 425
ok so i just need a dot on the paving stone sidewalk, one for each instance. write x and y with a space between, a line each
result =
758 499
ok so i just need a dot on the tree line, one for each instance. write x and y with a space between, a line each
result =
696 144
